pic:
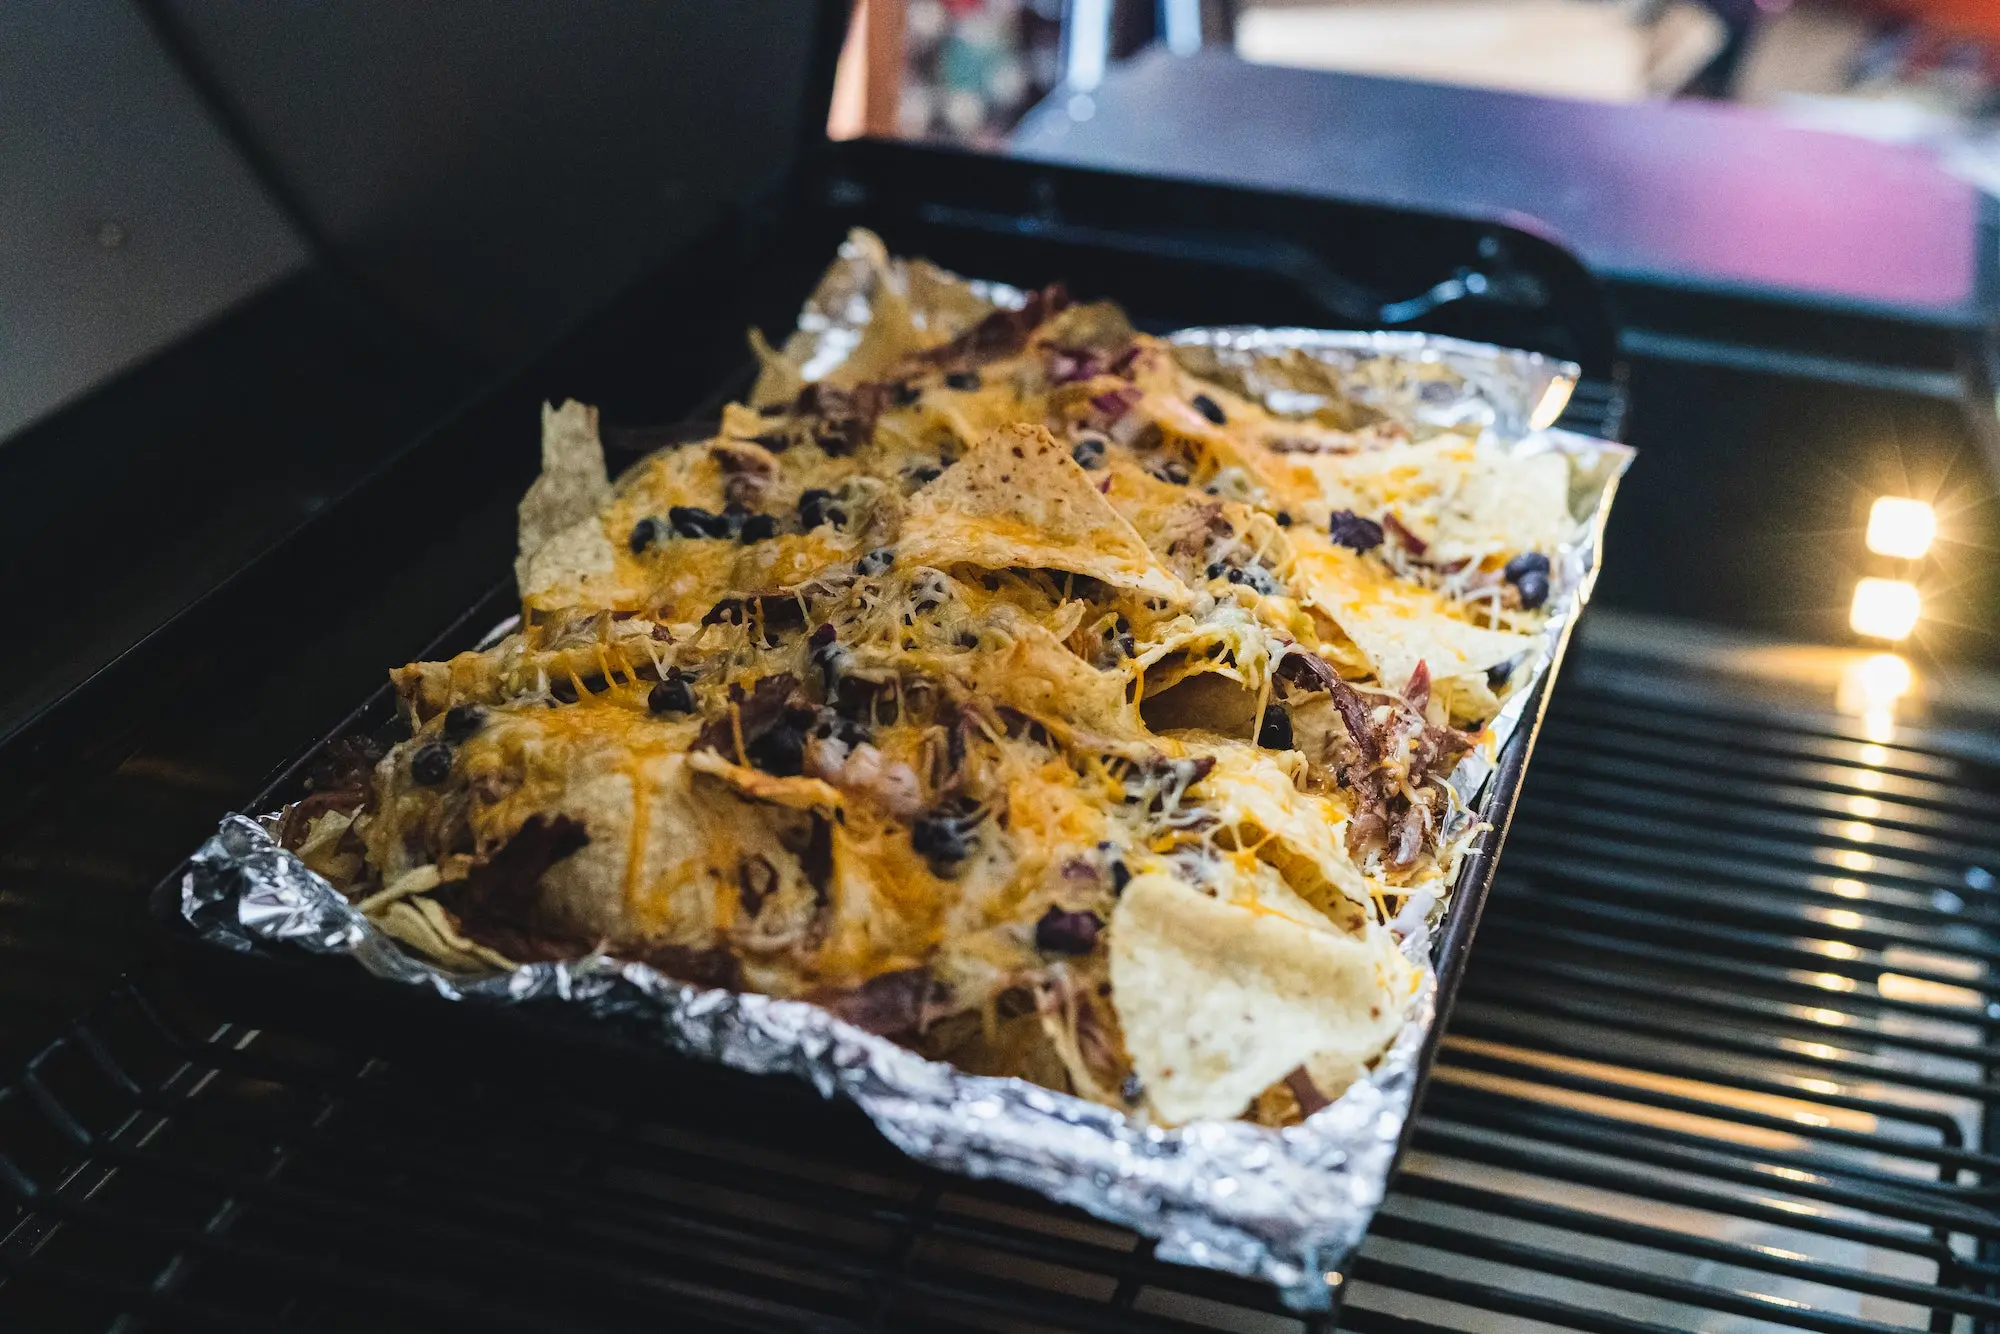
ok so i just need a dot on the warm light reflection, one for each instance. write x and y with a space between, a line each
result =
1884 608
1838 949
1855 831
1831 981
1875 757
1842 918
1831 1017
1868 779
1899 526
1867 808
1923 991
1871 686
1854 861
1848 889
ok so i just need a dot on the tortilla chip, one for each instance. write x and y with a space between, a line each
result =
1219 1001
1301 835
1039 676
778 378
1397 624
573 485
1018 498
1505 505
560 569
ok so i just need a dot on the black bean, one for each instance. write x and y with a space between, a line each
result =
1210 409
1276 733
967 639
1534 589
831 660
1121 876
1132 1089
925 473
963 380
1128 646
693 521
1216 569
1500 673
1528 562
1062 932
1089 452
431 764
462 721
816 507
1173 473
759 528
822 635
646 533
875 562
780 751
848 731
1236 576
1350 530
904 394
670 696
944 835
1284 518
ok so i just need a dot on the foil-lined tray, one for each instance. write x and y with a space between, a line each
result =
1282 1205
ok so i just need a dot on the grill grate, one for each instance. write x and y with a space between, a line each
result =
1720 1062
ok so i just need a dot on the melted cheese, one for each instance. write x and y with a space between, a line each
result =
1015 568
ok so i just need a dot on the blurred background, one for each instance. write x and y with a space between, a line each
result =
1906 71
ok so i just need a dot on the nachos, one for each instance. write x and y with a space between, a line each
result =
1009 684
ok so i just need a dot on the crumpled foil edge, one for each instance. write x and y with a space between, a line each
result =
1285 1206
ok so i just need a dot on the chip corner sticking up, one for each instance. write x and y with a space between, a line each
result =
573 486
1018 498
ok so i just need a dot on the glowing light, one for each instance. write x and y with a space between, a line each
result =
1868 780
1871 686
1875 756
1831 982
1848 889
1854 831
1884 608
1867 808
1842 918
1899 526
1853 861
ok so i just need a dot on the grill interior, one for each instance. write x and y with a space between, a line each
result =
1719 1062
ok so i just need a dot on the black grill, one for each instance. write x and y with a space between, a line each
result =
1720 1061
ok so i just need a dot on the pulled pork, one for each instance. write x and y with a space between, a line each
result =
1398 763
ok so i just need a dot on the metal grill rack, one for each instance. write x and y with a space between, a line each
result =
1720 1063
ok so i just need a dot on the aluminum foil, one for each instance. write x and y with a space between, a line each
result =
1285 1206
1422 379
